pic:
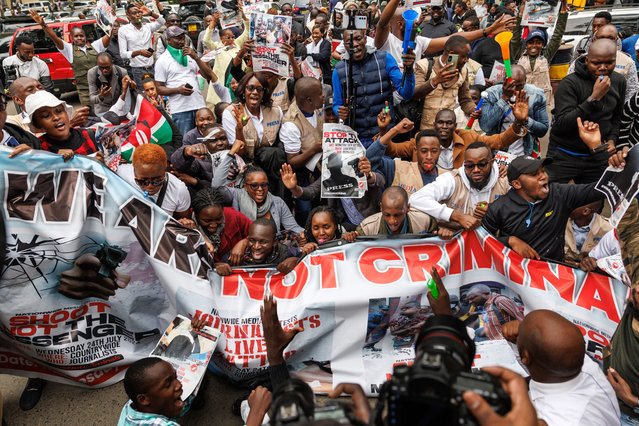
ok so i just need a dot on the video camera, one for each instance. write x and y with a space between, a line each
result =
430 391
294 404
11 74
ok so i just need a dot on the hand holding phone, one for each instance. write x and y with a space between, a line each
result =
453 59
188 86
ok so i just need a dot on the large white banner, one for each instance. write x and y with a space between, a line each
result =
360 305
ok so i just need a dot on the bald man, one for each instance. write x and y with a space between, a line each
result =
499 112
594 92
566 386
625 65
396 217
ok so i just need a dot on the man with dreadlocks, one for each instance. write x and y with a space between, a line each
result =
225 228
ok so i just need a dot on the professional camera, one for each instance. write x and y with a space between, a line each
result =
294 404
11 74
430 391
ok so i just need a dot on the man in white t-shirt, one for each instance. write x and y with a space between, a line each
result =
24 64
390 34
567 387
148 174
176 77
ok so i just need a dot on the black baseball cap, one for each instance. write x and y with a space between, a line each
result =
524 165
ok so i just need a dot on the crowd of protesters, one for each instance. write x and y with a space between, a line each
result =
236 166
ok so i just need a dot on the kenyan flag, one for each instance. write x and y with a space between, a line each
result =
150 127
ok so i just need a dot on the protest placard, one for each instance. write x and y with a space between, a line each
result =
498 73
620 186
270 32
540 13
189 351
309 68
342 152
231 16
104 15
503 158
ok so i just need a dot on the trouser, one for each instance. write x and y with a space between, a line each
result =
580 169
137 73
184 121
627 420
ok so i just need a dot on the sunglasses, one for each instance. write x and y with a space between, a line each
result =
151 182
258 89
481 165
256 186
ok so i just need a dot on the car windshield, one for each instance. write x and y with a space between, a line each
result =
578 25
186 10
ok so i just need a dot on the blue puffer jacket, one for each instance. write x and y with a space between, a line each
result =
494 109
373 88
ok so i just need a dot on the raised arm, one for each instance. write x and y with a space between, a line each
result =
383 25
59 43
502 24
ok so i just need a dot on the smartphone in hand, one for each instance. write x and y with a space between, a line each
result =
188 86
453 59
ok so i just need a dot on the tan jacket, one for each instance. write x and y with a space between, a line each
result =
600 226
310 134
418 222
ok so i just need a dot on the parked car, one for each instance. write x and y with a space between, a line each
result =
60 68
191 14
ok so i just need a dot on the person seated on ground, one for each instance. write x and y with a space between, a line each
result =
410 175
474 91
584 229
50 116
350 210
607 246
105 83
566 386
255 201
460 199
531 218
396 217
204 118
498 111
25 86
454 141
197 165
155 394
148 174
150 90
322 227
224 228
262 248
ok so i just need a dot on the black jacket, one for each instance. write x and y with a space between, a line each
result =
508 216
323 58
22 136
571 102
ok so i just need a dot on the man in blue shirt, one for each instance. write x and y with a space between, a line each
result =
375 76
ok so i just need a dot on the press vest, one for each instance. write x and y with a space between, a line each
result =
598 229
440 98
280 95
473 68
539 77
419 222
271 122
459 199
309 134
373 88
82 63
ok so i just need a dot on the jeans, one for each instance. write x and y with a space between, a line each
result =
185 121
626 420
137 73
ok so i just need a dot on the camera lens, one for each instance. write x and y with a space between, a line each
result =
448 334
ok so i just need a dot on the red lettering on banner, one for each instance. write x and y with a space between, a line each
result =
369 270
281 290
453 250
563 281
516 271
254 281
420 259
473 250
597 292
326 262
495 251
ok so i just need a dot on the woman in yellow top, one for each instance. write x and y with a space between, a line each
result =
230 45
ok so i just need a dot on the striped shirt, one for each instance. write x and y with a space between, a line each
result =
629 127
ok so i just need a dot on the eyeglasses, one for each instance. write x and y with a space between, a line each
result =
250 88
481 165
158 181
256 186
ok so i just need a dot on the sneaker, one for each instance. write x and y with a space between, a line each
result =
31 394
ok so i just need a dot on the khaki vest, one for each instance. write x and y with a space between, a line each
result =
280 95
310 134
419 222
459 199
271 122
473 68
407 176
599 228
82 63
439 98
539 77
623 63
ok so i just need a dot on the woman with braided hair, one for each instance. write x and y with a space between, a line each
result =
224 228
322 227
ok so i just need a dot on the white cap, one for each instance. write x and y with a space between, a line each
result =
41 99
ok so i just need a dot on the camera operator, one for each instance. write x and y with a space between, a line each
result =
25 64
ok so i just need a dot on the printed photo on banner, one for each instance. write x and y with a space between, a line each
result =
104 15
188 350
231 16
620 186
270 32
342 152
540 13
